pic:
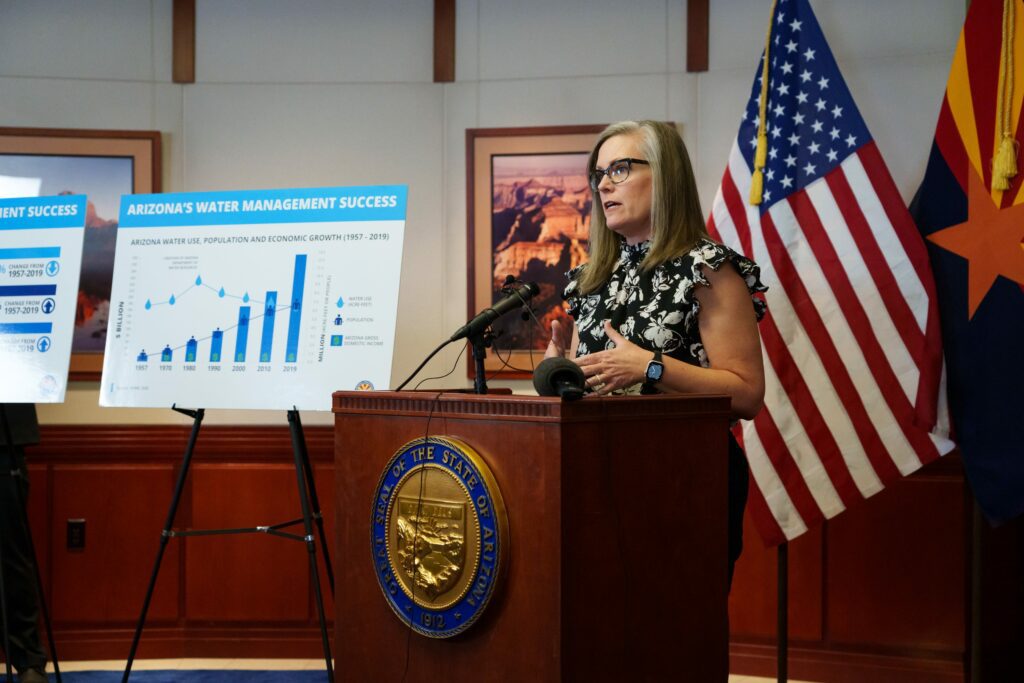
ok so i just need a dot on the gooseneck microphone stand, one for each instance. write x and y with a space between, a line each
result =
478 330
14 474
480 341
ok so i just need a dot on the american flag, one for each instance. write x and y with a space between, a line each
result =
853 358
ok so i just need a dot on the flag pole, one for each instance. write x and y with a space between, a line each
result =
975 644
782 625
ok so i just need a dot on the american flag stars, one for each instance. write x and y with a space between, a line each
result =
810 112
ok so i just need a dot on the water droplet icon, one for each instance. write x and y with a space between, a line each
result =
341 302
221 293
149 304
199 279
245 298
171 300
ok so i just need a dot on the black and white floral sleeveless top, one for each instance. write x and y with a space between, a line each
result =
656 309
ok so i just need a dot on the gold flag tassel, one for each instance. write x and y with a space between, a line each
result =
761 153
1004 164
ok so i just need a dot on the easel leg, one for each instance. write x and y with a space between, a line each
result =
12 476
197 419
299 448
313 499
3 619
23 505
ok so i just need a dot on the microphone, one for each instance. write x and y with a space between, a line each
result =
559 377
518 296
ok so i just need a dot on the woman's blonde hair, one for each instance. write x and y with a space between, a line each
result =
676 220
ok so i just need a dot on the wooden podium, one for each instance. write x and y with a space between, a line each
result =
618 552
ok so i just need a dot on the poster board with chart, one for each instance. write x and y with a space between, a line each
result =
253 299
40 262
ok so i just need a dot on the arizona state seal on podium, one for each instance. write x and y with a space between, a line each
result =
439 535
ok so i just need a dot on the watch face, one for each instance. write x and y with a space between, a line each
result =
654 371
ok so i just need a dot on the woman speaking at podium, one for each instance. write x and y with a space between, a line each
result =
660 307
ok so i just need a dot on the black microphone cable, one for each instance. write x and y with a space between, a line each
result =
447 374
425 361
435 404
531 290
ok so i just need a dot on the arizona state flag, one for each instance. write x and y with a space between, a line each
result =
974 232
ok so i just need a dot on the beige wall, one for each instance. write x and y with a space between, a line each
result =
308 93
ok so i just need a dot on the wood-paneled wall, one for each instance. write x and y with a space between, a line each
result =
881 591
238 595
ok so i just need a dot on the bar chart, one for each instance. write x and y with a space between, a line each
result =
247 312
267 309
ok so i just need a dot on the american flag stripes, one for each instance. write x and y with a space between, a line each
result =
853 358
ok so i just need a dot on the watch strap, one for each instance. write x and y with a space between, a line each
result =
649 383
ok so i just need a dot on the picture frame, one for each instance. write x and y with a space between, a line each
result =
103 165
528 216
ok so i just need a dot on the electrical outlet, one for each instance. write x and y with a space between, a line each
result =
76 534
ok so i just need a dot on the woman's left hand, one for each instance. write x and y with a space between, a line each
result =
617 368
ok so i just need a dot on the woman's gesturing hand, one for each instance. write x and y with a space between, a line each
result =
559 344
617 368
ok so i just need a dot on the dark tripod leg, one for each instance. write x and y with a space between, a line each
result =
314 500
7 476
23 506
298 446
197 419
3 609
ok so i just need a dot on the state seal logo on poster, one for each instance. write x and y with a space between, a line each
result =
439 535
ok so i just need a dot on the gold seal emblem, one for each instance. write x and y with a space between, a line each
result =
439 535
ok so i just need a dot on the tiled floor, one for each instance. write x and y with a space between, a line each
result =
255 665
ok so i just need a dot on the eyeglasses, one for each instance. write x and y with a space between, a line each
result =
617 172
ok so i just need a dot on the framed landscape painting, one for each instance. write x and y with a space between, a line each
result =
528 209
103 165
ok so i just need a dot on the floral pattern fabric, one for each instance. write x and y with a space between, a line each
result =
656 309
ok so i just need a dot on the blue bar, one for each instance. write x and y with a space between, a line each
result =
190 350
165 356
298 284
30 252
143 358
242 340
26 328
218 339
28 290
268 327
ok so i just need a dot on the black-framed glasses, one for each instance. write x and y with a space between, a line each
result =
617 171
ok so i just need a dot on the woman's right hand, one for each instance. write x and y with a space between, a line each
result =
559 344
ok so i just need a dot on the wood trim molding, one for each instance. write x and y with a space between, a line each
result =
148 443
530 408
183 42
697 40
824 663
444 41
156 169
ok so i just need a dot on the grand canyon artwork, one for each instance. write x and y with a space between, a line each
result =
540 219
102 165
529 220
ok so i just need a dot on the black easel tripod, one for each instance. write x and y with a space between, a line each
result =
15 474
310 511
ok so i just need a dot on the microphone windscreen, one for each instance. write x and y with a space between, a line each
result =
554 376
